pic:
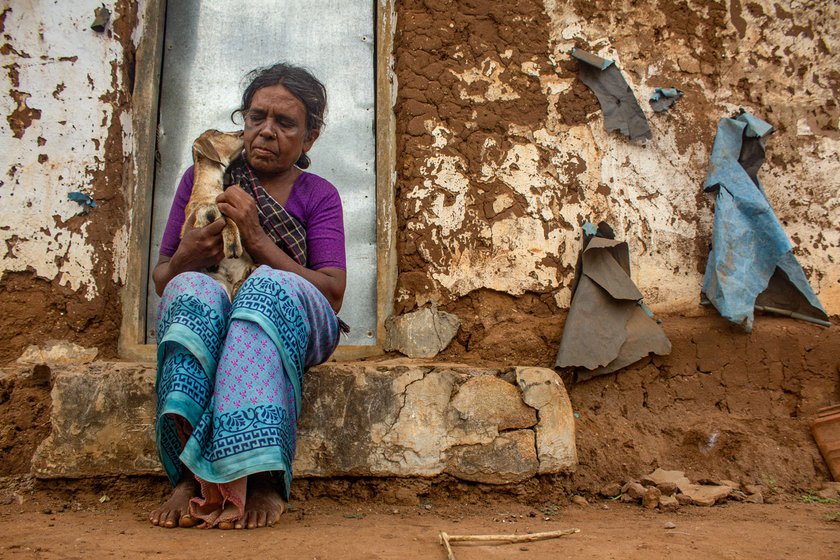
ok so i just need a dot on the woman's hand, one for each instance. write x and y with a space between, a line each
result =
240 207
199 248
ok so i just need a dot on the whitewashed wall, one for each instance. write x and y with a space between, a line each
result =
67 77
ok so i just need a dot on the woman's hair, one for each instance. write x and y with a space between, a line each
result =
300 83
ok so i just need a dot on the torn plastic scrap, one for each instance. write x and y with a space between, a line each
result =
751 264
618 104
663 98
85 201
101 15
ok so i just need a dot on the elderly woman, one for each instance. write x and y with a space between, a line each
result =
230 372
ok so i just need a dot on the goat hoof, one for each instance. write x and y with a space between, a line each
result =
232 243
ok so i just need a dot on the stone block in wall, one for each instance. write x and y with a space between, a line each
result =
489 400
422 333
57 352
419 420
356 420
102 422
510 457
544 390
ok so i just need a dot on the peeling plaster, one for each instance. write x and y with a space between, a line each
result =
510 221
120 255
446 173
55 53
517 244
489 75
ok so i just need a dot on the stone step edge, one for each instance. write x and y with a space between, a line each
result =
379 419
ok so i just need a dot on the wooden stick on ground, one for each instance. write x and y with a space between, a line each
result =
445 539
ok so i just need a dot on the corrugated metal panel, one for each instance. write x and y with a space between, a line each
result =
210 45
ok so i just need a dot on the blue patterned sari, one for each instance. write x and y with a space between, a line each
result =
230 373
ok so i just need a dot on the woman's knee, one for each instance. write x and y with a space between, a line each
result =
194 286
264 272
192 283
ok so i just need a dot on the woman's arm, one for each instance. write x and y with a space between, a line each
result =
242 209
330 281
200 248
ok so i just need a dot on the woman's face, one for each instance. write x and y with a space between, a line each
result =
275 131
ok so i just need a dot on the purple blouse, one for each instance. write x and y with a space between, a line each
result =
314 201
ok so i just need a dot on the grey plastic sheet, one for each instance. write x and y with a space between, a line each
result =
618 104
751 264
607 328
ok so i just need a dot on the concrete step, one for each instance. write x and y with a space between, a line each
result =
383 419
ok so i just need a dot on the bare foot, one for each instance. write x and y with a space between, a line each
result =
175 512
263 506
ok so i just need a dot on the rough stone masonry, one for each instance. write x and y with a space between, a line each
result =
357 420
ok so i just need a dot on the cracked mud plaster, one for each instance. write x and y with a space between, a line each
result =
67 121
722 405
503 152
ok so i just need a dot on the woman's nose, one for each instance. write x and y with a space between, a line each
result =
267 129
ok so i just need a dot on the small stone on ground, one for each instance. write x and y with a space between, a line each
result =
634 490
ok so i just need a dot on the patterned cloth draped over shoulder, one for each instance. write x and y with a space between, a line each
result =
286 232
284 229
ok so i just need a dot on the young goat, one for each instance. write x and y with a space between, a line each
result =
212 153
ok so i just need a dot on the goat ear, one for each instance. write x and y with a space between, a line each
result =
205 147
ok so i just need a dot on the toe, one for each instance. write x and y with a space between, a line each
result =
171 520
251 520
187 521
262 518
226 525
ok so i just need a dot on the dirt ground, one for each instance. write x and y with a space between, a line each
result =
47 523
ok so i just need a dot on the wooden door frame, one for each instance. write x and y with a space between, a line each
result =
138 182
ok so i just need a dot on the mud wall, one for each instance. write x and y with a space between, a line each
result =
503 151
502 154
722 405
65 129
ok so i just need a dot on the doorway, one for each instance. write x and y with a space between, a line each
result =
209 46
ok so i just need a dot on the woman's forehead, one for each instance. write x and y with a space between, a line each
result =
276 97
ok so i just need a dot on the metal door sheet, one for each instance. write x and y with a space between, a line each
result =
210 45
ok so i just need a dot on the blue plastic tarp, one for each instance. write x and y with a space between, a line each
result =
749 246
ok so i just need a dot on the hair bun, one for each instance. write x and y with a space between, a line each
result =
303 161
